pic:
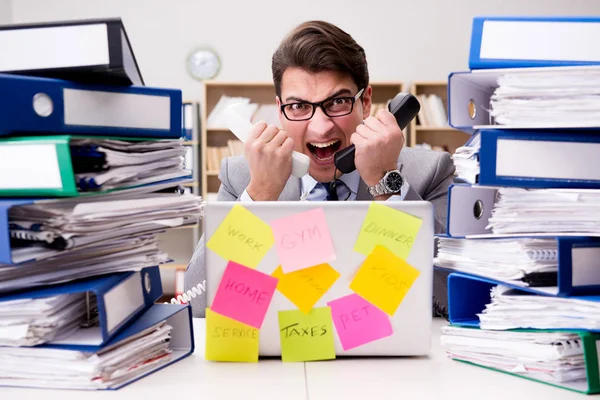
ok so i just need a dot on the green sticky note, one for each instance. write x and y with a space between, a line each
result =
387 227
306 337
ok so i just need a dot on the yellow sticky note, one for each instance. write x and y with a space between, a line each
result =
393 229
230 340
242 237
306 337
306 286
384 279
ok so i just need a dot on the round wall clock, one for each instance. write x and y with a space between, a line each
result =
203 64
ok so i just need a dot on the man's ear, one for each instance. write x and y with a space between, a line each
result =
367 101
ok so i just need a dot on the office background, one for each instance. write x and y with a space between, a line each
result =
405 39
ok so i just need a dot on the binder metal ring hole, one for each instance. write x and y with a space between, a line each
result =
147 283
478 209
43 105
472 109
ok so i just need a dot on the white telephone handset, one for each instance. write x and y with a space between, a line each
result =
241 128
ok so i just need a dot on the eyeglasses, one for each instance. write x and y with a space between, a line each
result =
336 107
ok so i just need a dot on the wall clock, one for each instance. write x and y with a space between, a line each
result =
203 64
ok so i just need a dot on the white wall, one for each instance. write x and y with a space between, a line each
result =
404 39
5 12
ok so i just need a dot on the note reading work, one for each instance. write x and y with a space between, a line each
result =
306 337
393 229
383 279
229 340
303 240
306 286
242 237
244 294
358 322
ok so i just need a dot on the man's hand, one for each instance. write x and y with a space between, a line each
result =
378 143
269 154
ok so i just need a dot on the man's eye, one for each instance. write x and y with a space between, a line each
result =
298 106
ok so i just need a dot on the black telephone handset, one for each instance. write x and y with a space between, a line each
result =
404 106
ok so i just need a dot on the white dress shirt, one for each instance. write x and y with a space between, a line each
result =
312 191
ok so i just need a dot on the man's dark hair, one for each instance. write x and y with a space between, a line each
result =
317 46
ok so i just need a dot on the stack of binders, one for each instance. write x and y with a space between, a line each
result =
91 172
523 239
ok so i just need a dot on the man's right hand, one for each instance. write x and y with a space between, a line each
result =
269 153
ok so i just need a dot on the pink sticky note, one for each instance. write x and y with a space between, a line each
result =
244 294
303 240
358 322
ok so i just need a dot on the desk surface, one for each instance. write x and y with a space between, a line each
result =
433 377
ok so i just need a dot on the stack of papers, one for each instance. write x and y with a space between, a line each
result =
72 223
513 309
508 259
565 98
553 357
71 369
46 267
106 164
466 160
31 322
551 212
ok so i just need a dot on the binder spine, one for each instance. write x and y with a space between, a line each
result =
591 348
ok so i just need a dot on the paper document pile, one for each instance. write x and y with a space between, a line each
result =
554 357
511 259
466 160
570 97
547 211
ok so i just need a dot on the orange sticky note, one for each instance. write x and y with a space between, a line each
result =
306 286
230 340
383 279
242 237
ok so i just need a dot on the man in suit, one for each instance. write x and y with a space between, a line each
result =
322 89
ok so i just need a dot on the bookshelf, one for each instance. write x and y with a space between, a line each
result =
262 94
431 125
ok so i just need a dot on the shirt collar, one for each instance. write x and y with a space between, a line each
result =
352 180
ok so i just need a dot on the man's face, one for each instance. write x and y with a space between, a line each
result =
321 136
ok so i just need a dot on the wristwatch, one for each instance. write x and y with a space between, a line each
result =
391 183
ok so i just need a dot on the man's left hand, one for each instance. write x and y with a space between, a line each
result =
378 143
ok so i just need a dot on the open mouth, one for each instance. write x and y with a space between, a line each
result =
324 151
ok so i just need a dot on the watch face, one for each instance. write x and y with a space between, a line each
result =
394 181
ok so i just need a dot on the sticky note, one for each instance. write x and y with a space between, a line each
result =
305 287
393 229
303 240
244 294
383 279
306 337
242 237
230 340
358 322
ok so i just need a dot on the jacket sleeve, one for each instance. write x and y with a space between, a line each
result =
437 190
195 281
226 191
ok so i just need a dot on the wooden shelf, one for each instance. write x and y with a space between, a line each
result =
438 137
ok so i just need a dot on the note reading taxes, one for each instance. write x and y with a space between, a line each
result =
303 240
306 337
305 287
384 279
244 294
229 340
391 228
242 237
358 322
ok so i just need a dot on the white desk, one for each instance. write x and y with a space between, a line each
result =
433 377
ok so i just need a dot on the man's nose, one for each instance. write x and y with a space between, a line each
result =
320 122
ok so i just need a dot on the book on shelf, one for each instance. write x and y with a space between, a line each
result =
433 111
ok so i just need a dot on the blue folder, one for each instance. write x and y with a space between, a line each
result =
577 272
546 159
533 41
468 296
53 106
181 343
120 298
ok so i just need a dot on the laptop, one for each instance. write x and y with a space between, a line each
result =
411 321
